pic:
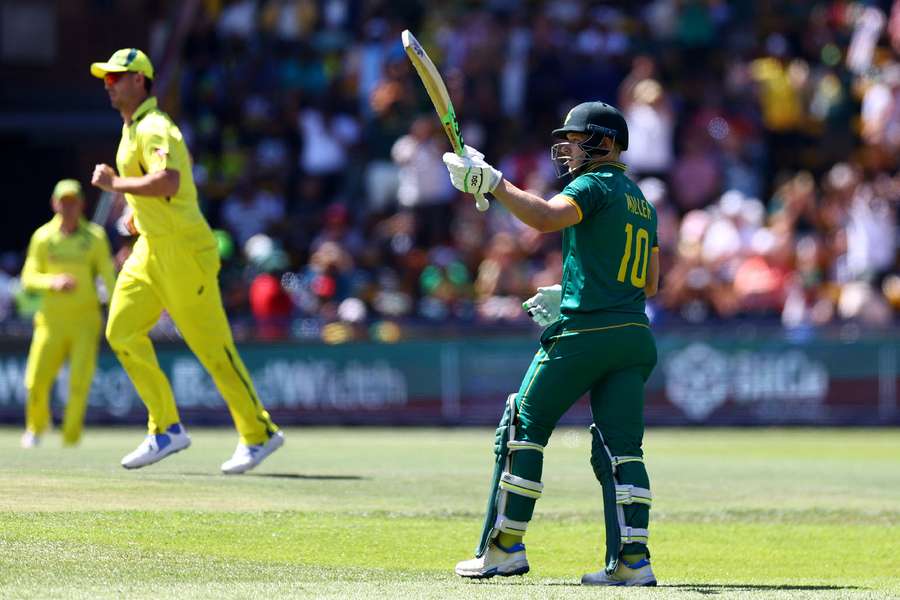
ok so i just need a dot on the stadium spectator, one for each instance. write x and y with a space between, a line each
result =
308 100
250 210
423 189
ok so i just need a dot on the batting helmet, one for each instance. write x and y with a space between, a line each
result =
596 117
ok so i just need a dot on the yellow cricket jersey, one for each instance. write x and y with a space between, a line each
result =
152 143
781 104
84 254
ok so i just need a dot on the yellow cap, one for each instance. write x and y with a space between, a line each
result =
66 188
126 59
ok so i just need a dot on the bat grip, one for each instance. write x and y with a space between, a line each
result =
481 203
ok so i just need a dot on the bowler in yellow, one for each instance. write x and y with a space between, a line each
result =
174 266
65 257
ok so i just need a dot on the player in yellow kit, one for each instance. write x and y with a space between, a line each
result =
65 256
174 266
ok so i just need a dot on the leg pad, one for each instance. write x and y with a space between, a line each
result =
508 479
615 496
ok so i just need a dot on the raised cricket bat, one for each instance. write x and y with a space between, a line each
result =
437 91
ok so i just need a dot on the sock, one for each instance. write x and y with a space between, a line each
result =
507 540
630 559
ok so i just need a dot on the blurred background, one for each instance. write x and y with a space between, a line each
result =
364 288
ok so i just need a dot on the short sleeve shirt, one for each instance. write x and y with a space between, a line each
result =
151 143
607 253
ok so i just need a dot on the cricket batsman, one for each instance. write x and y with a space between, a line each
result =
65 257
174 266
597 340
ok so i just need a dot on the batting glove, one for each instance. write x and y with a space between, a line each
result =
543 307
470 173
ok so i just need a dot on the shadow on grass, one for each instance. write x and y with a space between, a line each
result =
283 476
718 588
302 476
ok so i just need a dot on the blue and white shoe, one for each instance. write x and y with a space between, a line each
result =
246 457
156 447
496 561
635 574
30 439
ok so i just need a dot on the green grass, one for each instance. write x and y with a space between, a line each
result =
377 513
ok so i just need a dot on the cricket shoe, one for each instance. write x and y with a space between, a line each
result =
156 447
246 457
496 561
29 440
635 574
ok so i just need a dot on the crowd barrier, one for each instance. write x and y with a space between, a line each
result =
732 376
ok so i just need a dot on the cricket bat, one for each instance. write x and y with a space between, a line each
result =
437 91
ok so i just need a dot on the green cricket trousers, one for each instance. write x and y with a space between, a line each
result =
610 356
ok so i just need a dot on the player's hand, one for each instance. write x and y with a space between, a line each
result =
470 173
471 153
63 283
103 177
543 307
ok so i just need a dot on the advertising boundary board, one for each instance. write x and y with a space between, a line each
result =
702 378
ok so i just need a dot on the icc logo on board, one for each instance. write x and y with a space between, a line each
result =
700 379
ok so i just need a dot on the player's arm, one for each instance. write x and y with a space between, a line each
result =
35 277
159 179
471 174
162 183
544 215
652 285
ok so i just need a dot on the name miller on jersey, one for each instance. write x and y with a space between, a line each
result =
638 206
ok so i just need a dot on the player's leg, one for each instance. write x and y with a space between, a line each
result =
560 373
617 405
134 310
82 363
45 357
193 299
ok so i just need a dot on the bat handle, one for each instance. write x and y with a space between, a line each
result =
481 203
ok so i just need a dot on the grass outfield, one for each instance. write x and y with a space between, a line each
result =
377 513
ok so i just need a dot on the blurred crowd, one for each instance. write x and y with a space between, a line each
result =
765 133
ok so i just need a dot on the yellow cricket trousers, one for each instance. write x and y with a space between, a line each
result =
74 337
179 273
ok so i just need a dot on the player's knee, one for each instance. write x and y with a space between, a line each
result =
531 432
118 335
119 339
112 334
532 429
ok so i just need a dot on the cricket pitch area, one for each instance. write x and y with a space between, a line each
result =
386 513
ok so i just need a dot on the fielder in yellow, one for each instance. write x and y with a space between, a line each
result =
65 257
174 266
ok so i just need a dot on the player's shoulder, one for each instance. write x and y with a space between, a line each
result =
155 121
593 179
45 231
94 230
634 190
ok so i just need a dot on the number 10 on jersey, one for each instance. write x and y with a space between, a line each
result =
641 243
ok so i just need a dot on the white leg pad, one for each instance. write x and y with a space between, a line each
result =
507 525
630 494
521 486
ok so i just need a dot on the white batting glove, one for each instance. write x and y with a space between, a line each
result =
472 153
543 307
470 173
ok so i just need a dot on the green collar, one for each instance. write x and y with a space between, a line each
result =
142 110
607 165
57 222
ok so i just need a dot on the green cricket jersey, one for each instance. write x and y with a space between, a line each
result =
607 253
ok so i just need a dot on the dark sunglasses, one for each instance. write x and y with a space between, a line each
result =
114 77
